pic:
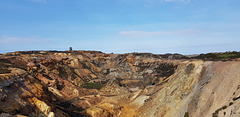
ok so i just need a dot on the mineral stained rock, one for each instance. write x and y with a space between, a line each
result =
51 84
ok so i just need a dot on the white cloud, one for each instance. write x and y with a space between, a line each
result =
184 32
22 40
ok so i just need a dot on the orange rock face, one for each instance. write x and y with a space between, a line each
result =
90 83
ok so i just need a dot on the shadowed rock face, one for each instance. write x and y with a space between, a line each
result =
50 83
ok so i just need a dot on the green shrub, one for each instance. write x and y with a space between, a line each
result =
92 86
215 114
219 56
224 107
186 114
227 55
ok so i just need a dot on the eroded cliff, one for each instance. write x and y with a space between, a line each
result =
89 83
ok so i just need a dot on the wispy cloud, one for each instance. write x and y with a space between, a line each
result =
183 32
23 40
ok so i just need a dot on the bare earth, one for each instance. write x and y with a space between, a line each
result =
49 84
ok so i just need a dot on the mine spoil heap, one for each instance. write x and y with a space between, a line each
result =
96 84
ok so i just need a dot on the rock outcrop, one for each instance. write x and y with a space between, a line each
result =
90 83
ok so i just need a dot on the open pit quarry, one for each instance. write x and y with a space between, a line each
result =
96 84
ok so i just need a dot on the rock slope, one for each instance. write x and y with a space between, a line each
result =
91 83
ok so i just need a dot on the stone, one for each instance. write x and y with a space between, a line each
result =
50 83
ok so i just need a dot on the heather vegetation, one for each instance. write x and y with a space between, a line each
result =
92 85
219 56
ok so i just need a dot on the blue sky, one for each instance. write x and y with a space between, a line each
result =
120 26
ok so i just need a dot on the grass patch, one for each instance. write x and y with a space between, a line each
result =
92 86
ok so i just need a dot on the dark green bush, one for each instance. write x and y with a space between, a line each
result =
186 114
224 107
215 114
